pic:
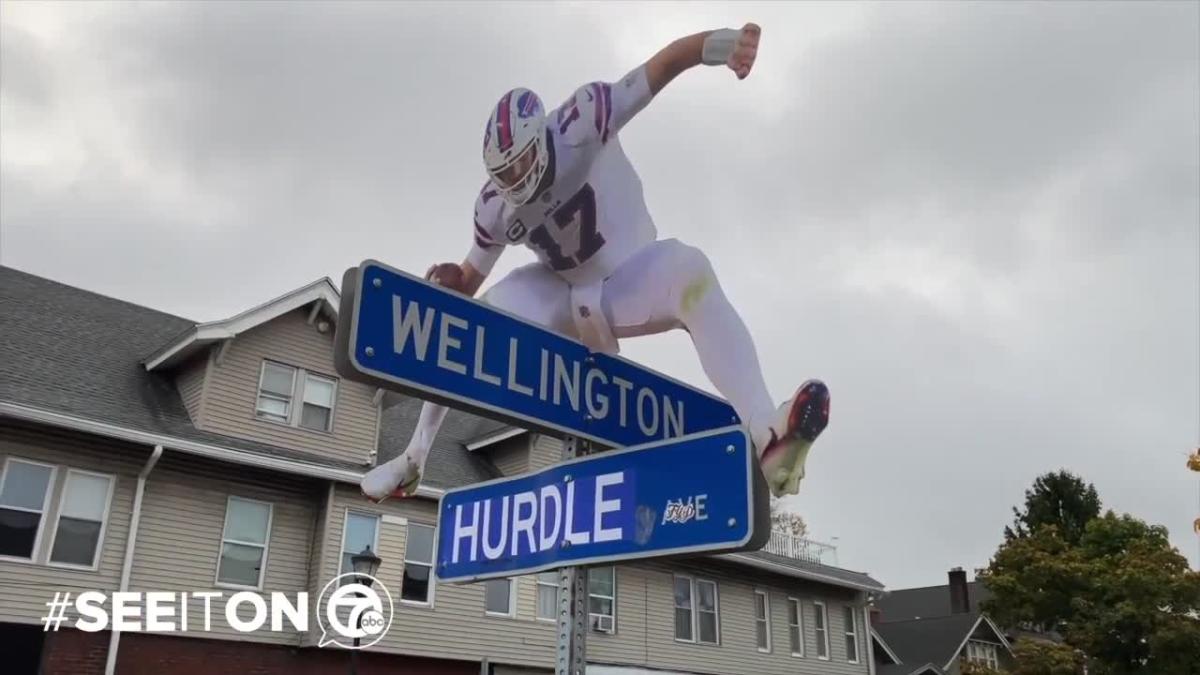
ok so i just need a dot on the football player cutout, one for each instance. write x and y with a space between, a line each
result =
560 184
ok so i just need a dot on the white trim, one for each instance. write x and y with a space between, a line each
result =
691 606
797 573
819 606
42 517
967 637
332 403
265 545
346 511
432 568
62 496
791 599
852 631
766 619
512 597
502 435
883 643
716 610
999 633
321 290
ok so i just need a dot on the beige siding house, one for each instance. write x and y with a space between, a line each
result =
145 452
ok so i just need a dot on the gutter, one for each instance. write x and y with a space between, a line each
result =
292 466
135 519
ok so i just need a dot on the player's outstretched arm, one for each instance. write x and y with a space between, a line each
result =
733 48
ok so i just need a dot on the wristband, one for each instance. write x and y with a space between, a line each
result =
718 46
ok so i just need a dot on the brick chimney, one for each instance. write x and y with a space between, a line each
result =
960 601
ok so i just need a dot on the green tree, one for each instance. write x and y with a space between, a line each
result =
1057 498
1042 657
1123 594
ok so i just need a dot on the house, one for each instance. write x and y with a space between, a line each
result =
933 630
144 452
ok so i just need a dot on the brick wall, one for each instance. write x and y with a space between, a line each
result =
73 652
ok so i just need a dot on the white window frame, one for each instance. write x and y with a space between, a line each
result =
851 631
512 599
62 497
50 484
342 546
538 592
819 606
266 545
798 626
991 656
299 380
693 589
612 598
765 620
432 568
692 607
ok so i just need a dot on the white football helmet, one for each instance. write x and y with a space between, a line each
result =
514 145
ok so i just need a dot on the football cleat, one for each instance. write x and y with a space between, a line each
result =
798 424
398 478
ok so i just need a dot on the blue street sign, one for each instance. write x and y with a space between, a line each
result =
406 334
683 496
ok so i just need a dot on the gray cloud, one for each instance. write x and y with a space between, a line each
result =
978 222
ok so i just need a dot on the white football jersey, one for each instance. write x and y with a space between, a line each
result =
589 216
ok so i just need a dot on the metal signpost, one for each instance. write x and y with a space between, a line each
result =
685 480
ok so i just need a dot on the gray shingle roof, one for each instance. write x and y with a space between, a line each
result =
449 464
906 669
79 353
815 570
932 640
927 602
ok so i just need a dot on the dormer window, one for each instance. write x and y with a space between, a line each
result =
280 385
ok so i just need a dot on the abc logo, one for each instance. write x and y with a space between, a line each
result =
373 622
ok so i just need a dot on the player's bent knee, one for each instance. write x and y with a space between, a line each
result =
692 275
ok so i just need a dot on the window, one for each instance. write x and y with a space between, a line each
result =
317 412
696 610
762 621
24 492
497 597
602 597
244 542
362 532
821 624
417 585
275 391
684 614
82 512
279 385
984 653
547 596
851 635
706 611
795 628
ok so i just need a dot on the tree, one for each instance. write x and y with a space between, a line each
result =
787 522
1042 657
1057 498
1122 594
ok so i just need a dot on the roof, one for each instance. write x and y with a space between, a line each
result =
906 669
74 357
807 570
935 640
927 601
200 335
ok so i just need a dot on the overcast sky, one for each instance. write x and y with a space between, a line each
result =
977 222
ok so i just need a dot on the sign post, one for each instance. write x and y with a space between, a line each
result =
571 653
683 480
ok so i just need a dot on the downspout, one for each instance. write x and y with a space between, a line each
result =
114 636
870 641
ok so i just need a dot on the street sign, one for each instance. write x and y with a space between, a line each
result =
403 333
688 495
